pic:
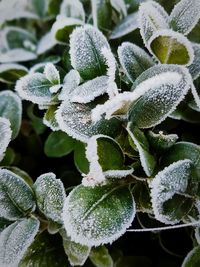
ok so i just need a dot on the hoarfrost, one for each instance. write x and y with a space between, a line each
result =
185 15
46 43
172 180
5 135
72 9
134 60
15 240
194 68
52 73
120 6
17 55
195 95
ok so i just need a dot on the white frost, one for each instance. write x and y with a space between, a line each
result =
45 43
52 73
195 95
72 9
17 55
5 135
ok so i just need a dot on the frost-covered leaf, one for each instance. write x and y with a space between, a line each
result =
141 194
5 135
72 9
46 43
196 96
152 17
46 250
119 6
11 109
181 151
52 74
71 81
100 257
89 90
194 68
17 55
35 88
104 155
101 13
185 15
16 196
147 160
77 253
171 47
95 216
10 73
75 120
50 196
49 118
169 205
125 26
63 27
80 159
40 7
166 87
161 141
193 258
15 240
86 44
58 144
134 60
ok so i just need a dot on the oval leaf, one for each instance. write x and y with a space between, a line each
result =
100 257
101 13
5 134
85 52
10 73
194 68
95 216
193 258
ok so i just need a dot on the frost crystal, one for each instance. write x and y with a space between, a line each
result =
5 135
185 15
17 55
172 180
194 68
72 9
15 240
88 91
51 73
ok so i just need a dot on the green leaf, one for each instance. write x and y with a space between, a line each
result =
166 87
5 135
125 26
77 253
35 88
75 120
193 258
11 109
46 250
141 194
10 73
24 175
100 257
17 199
185 16
15 240
37 122
160 141
147 160
50 195
134 60
3 224
95 216
40 7
181 151
106 160
101 14
167 192
72 9
152 17
171 48
49 118
58 144
52 74
63 27
80 159
86 45
194 68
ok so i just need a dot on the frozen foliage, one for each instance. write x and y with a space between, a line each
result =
86 44
119 6
193 258
35 88
11 109
17 55
126 26
72 9
10 72
152 17
52 73
165 91
75 120
5 135
195 95
95 216
89 90
185 15
169 46
16 196
15 240
148 162
50 195
172 180
46 43
49 118
77 253
134 60
194 68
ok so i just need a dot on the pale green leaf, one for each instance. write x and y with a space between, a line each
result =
101 13
5 135
10 73
100 257
193 258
